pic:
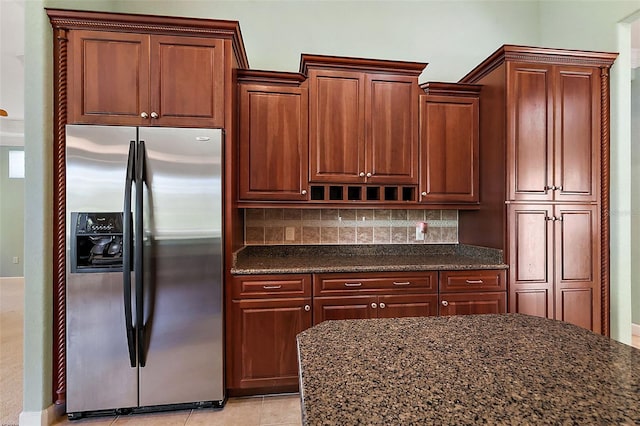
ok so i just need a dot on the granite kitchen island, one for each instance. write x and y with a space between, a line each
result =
476 369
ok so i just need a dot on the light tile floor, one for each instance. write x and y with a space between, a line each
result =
274 410
267 410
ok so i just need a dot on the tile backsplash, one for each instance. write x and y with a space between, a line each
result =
348 226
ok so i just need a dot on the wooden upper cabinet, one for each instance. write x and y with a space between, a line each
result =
273 136
449 143
363 120
553 132
145 80
336 126
108 77
391 129
187 81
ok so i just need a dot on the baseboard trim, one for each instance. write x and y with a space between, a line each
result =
46 417
11 280
635 329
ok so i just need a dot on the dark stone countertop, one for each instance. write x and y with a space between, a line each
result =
363 258
464 370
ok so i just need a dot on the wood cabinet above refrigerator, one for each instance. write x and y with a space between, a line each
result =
146 70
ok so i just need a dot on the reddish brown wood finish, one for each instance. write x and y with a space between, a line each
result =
556 129
344 284
374 295
336 126
273 138
449 144
146 80
264 341
553 132
187 81
531 260
268 312
108 78
473 303
391 129
414 305
555 267
473 280
65 23
362 120
472 292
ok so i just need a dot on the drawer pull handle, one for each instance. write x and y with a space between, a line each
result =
402 283
271 287
352 284
475 282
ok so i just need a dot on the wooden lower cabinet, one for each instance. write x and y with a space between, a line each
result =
469 292
262 334
473 303
363 307
555 262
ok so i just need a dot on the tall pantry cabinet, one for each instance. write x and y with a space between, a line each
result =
544 123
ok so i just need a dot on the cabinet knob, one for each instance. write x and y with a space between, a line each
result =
368 174
373 305
424 193
144 115
307 308
445 303
361 174
559 188
304 192
154 114
382 305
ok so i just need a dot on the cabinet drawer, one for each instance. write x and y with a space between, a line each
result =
476 280
334 284
263 286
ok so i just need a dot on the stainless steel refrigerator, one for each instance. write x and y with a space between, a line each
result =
144 269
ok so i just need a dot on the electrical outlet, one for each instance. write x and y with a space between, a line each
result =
16 259
289 233
419 233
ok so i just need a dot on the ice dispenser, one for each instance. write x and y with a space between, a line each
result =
96 242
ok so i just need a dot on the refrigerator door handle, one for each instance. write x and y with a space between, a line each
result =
126 254
138 255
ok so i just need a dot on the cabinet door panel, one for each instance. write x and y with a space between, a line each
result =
391 129
336 123
264 345
414 305
531 301
529 132
473 303
577 140
338 308
577 264
575 305
108 77
273 143
473 280
530 256
450 145
188 78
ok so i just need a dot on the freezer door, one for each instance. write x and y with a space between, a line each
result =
183 343
99 375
